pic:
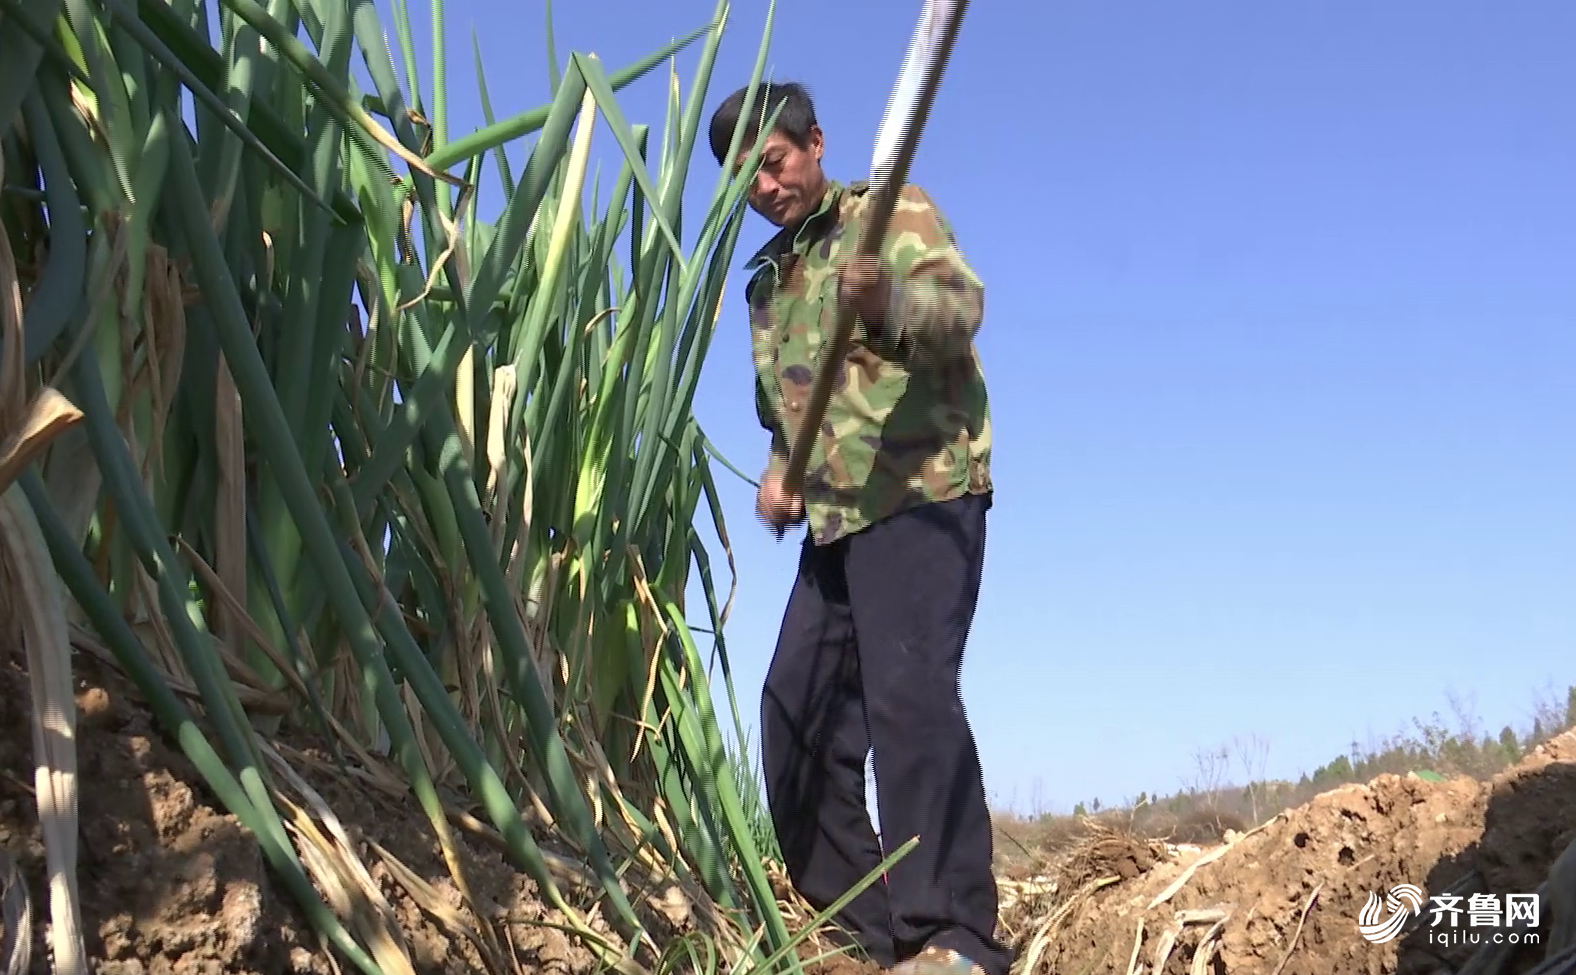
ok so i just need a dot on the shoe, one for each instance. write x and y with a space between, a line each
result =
936 961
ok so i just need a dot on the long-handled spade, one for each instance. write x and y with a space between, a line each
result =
896 140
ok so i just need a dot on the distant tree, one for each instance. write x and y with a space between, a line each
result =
1507 741
1339 770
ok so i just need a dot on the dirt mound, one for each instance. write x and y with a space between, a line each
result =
1284 899
172 883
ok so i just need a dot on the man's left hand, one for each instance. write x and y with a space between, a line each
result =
866 282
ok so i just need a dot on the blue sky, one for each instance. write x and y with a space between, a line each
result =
1280 306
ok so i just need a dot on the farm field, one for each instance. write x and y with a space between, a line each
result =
171 882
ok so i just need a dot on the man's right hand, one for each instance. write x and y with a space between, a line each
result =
776 508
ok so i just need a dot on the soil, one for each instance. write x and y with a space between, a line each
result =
171 883
1284 899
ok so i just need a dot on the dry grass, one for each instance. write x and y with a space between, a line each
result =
1094 856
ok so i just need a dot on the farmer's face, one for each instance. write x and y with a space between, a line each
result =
789 185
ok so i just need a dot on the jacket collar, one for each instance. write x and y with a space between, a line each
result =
788 238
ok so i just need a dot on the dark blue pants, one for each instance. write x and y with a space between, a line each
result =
868 658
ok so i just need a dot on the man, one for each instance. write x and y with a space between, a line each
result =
895 497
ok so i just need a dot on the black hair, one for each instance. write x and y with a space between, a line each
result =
795 120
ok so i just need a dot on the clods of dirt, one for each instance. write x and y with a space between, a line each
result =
1285 898
170 882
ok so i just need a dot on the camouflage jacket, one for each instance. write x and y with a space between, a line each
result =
909 420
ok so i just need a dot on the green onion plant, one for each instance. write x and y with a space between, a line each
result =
307 444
